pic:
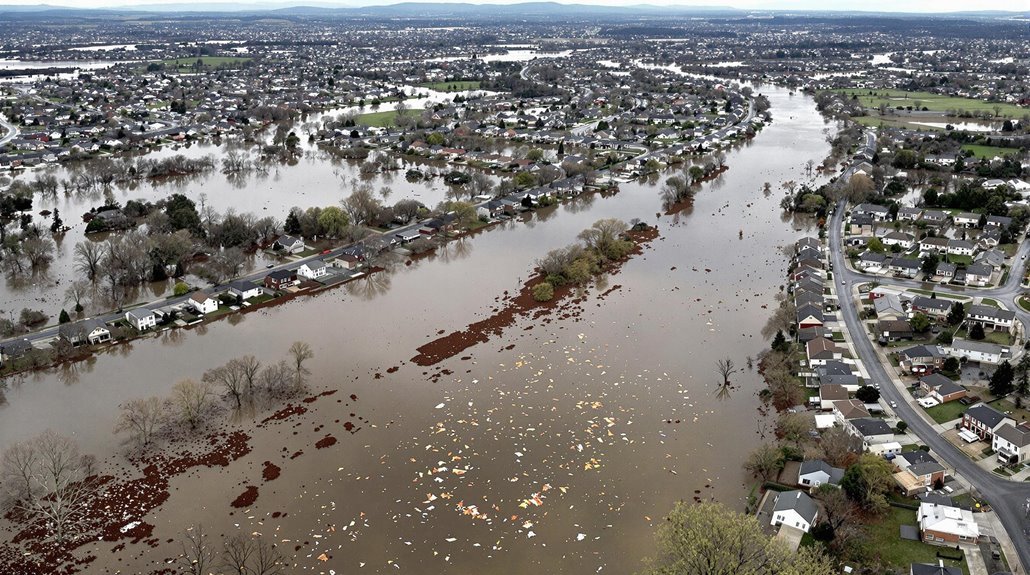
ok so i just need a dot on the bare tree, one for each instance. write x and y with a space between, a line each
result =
198 557
140 418
249 366
88 257
230 377
300 352
77 292
276 379
725 368
236 553
57 485
39 251
192 401
267 559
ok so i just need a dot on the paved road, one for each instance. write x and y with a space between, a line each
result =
1008 498
10 129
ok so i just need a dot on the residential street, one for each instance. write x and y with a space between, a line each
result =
1009 499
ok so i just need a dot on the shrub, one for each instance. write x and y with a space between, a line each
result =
180 289
543 292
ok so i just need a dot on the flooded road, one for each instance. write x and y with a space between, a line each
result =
556 446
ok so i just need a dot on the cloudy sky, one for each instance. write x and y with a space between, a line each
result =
866 5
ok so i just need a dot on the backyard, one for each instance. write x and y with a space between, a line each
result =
883 541
946 412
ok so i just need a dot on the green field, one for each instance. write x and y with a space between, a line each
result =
934 102
211 61
455 86
988 151
883 541
876 121
381 119
946 412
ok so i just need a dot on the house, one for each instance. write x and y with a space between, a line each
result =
945 270
893 330
830 393
934 308
1000 222
849 409
991 318
921 359
901 239
409 235
919 471
978 275
13 349
934 245
202 303
1011 443
870 261
491 209
943 525
905 267
87 331
313 270
281 279
794 508
837 372
142 319
979 351
958 247
288 244
878 213
346 261
990 257
929 569
934 217
889 307
907 214
941 388
872 431
244 289
809 316
820 350
967 219
984 420
816 472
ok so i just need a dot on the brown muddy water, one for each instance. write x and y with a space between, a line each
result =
555 447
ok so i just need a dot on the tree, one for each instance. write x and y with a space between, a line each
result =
1001 380
523 180
53 480
839 447
868 481
77 292
764 462
141 418
192 401
300 352
603 237
198 556
464 212
951 365
780 341
64 317
930 263
333 221
1023 369
726 369
920 323
543 291
39 251
977 332
875 245
708 539
868 394
230 378
182 214
88 256
957 313
839 513
362 205
795 428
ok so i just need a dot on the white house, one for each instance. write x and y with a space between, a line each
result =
288 244
979 351
992 318
1012 443
944 525
244 289
796 509
960 247
817 472
141 319
313 270
203 303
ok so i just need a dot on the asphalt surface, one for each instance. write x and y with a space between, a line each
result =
1009 499
10 130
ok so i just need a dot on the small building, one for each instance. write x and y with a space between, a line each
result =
281 279
313 270
921 359
88 331
990 317
919 472
944 525
142 319
931 569
888 330
816 472
872 431
831 393
13 349
794 508
941 388
849 409
1011 443
978 351
821 350
203 303
983 420
244 289
288 244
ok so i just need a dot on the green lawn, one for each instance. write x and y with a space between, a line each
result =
1024 303
380 119
933 102
998 337
208 61
939 295
988 151
946 412
1008 407
960 259
884 541
455 86
990 302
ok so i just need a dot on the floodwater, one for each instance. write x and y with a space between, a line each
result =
574 436
313 180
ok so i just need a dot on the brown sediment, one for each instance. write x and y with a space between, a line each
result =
247 498
522 304
675 208
271 471
392 369
327 441
285 413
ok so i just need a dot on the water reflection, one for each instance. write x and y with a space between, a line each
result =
370 286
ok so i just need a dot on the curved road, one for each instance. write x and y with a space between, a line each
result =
1007 498
10 129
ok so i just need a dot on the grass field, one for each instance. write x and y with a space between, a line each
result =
212 61
933 102
946 412
455 86
380 119
875 121
988 151
883 541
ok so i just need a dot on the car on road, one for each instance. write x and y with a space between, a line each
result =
324 252
269 266
894 404
842 282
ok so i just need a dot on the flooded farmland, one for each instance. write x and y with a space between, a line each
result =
557 445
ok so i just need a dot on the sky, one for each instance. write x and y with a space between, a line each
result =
843 5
